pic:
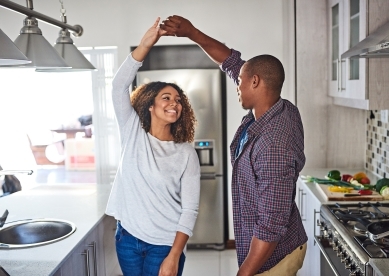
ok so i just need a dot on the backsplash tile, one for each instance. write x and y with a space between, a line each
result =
377 134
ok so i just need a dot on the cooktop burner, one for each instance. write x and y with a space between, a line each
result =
372 249
354 218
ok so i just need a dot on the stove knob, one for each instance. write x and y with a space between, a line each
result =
340 253
356 273
347 265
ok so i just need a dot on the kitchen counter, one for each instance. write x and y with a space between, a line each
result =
321 173
81 203
380 266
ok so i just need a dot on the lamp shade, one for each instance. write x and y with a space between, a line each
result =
9 53
72 56
37 48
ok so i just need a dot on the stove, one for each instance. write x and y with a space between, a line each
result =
345 243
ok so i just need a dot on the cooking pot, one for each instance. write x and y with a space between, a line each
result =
377 232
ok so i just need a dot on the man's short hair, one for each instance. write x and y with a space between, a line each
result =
269 68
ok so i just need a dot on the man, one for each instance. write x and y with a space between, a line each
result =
267 155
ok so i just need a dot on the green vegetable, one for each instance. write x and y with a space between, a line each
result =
334 174
385 192
328 181
381 183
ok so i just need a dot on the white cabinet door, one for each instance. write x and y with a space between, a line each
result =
355 29
347 21
309 207
313 250
336 34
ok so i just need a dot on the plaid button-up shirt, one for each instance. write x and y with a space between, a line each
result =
264 177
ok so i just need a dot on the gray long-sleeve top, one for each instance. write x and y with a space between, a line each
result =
157 185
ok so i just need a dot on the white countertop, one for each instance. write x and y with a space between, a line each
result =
82 204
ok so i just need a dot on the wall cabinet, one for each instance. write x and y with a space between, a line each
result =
309 207
95 255
356 82
347 26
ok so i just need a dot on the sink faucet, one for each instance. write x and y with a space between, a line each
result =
3 218
11 184
13 172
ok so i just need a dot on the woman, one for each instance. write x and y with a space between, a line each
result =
155 195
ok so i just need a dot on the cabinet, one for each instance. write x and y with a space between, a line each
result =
347 20
309 207
95 255
356 82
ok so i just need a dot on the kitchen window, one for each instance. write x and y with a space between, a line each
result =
35 102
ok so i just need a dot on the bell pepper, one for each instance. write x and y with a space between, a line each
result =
334 174
365 192
339 189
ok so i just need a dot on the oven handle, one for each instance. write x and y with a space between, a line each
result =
315 223
317 239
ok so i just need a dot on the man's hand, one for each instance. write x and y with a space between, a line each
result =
260 251
178 26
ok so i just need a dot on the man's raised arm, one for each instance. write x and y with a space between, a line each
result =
178 26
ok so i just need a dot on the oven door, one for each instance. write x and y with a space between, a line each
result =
330 264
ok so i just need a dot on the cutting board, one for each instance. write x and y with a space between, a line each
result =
333 196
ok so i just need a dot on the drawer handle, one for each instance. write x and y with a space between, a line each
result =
93 245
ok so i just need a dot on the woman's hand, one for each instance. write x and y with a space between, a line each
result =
148 40
152 35
169 266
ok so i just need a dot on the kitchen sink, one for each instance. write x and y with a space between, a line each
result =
34 232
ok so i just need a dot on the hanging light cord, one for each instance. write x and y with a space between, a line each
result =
63 12
76 29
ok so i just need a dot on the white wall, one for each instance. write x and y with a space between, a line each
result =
251 26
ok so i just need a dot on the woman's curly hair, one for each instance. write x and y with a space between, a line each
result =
144 96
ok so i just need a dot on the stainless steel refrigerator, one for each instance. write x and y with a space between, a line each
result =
204 90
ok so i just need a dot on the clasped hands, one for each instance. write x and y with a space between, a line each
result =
177 26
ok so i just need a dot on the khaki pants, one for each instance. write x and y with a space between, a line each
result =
288 265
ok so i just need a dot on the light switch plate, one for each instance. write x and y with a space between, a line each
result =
384 116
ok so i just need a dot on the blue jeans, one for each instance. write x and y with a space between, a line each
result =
139 258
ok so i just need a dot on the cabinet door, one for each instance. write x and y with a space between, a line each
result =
347 26
309 208
78 263
336 33
112 267
313 251
354 75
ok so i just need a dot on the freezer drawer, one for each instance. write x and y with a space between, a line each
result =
209 228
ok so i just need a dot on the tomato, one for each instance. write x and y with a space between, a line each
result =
346 177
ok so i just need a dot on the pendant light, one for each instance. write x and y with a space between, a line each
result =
37 48
68 51
9 53
72 56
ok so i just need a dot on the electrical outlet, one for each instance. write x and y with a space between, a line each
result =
384 116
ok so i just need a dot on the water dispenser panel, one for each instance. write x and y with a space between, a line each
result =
204 149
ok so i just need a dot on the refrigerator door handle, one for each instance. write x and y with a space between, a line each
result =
208 176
